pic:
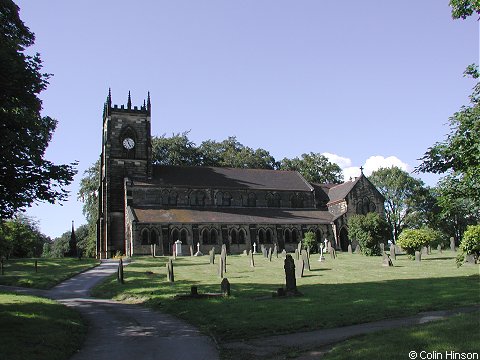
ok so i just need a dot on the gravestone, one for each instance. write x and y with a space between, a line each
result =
270 254
418 256
299 247
393 253
349 249
439 248
308 252
120 272
170 276
254 248
252 261
424 250
36 266
321 258
275 251
191 250
386 260
174 253
429 250
470 259
452 244
223 256
283 254
358 249
225 287
198 253
306 259
297 255
382 248
300 267
245 253
333 253
290 281
221 267
329 247
262 249
152 251
212 256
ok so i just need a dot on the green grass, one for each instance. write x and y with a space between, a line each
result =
37 328
21 272
351 289
460 334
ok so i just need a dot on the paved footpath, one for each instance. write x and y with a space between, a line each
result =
125 332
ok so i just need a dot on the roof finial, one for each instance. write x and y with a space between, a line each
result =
149 106
109 97
129 101
361 170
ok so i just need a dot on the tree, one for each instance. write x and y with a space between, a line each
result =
399 190
21 237
315 168
310 241
25 176
414 239
369 230
470 244
174 150
464 8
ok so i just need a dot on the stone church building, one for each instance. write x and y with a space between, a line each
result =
141 204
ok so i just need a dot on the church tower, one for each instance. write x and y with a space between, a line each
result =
126 154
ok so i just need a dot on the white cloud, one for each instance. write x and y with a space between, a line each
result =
371 164
376 162
341 161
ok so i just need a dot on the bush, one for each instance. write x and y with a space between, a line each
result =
470 243
310 240
414 239
369 230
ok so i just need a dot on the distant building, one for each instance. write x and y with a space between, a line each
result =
143 204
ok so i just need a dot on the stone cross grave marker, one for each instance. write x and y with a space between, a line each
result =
290 281
418 256
321 258
300 267
306 259
254 248
198 253
225 287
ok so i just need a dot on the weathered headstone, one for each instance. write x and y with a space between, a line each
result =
120 272
223 256
224 249
424 250
329 246
358 249
174 253
275 251
290 281
283 254
349 249
297 255
382 248
386 260
299 268
270 254
308 252
439 248
429 250
152 252
393 253
225 287
333 253
321 258
470 259
452 244
191 250
418 256
262 249
252 261
299 247
254 248
245 253
306 259
170 276
221 267
212 256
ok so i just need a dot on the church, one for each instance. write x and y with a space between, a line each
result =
141 204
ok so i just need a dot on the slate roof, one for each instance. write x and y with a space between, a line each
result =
339 192
231 178
231 216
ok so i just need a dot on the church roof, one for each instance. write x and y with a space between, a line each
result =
339 192
231 216
231 178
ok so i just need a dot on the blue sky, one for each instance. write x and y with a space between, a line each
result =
370 83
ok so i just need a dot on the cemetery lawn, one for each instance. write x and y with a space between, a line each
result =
349 290
459 334
50 272
38 328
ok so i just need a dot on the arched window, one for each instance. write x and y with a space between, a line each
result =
261 236
219 198
227 199
242 236
288 235
273 199
175 235
197 198
145 237
252 200
233 236
153 237
165 196
205 237
294 235
172 199
213 236
183 236
269 236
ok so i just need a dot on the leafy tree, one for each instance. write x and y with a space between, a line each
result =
315 168
310 241
369 230
60 246
21 237
470 244
414 239
25 176
399 190
464 8
174 150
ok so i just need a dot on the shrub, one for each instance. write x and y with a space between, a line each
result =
369 230
310 240
470 243
413 239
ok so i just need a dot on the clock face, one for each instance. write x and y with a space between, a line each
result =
128 143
